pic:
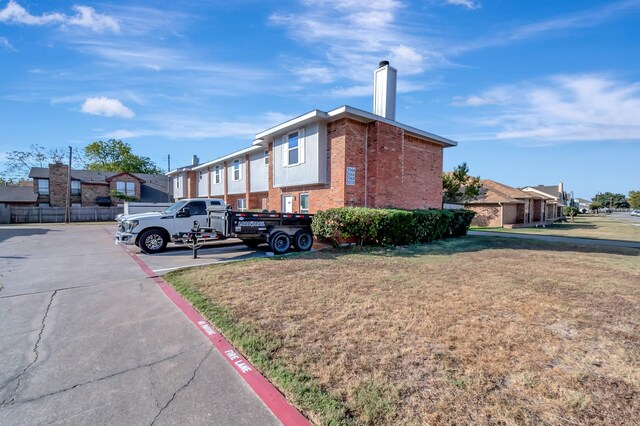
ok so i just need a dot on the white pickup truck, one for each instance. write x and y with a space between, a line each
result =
153 230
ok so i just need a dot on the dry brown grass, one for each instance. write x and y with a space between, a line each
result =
586 226
477 330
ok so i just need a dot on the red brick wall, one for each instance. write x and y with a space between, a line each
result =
486 215
125 178
392 170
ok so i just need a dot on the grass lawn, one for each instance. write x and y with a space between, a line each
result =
473 330
585 226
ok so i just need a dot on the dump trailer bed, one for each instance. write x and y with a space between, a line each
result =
281 231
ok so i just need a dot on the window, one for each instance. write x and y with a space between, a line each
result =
201 175
43 186
197 208
304 203
242 204
127 188
217 175
236 169
178 182
266 157
75 187
293 148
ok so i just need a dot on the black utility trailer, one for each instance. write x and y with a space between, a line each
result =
282 231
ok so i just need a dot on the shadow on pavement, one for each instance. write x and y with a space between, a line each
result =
9 232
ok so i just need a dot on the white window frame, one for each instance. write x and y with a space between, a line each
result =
201 175
266 157
216 175
41 188
241 204
304 195
178 178
129 188
237 169
300 148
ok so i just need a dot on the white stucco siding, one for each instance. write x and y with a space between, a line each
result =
203 182
178 182
311 168
217 187
258 172
236 186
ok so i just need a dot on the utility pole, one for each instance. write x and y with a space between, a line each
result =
68 209
169 183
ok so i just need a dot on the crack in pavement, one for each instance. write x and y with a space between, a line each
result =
193 376
10 400
99 379
55 289
153 387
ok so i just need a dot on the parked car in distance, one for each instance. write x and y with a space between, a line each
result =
635 213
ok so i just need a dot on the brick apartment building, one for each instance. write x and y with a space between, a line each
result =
320 160
90 188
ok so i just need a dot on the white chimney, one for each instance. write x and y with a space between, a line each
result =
384 91
195 160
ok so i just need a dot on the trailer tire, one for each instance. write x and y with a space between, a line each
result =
279 243
303 240
153 241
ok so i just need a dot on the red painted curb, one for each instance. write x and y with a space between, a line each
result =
272 398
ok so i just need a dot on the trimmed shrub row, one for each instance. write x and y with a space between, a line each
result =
365 226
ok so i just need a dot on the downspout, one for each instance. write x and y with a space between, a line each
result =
366 163
501 215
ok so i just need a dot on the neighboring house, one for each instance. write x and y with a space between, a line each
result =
557 198
584 205
17 195
320 160
90 188
500 205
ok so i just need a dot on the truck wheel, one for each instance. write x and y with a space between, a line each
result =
303 240
153 241
279 243
252 243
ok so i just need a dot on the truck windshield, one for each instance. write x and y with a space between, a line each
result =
175 207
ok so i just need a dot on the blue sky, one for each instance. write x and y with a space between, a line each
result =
534 91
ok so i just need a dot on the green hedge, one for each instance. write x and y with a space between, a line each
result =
389 226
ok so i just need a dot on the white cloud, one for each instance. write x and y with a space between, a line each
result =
189 127
469 4
85 16
356 35
565 108
4 42
106 106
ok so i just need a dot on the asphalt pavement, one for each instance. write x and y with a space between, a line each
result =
87 338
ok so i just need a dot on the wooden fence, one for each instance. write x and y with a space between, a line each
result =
20 214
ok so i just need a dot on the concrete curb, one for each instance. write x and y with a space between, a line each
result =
270 396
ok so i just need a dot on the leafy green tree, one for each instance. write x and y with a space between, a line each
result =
612 201
19 163
458 187
595 206
634 199
570 211
121 196
117 156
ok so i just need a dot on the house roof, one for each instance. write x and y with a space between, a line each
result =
494 193
550 190
347 111
153 188
17 194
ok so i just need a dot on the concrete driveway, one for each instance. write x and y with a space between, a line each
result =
87 338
